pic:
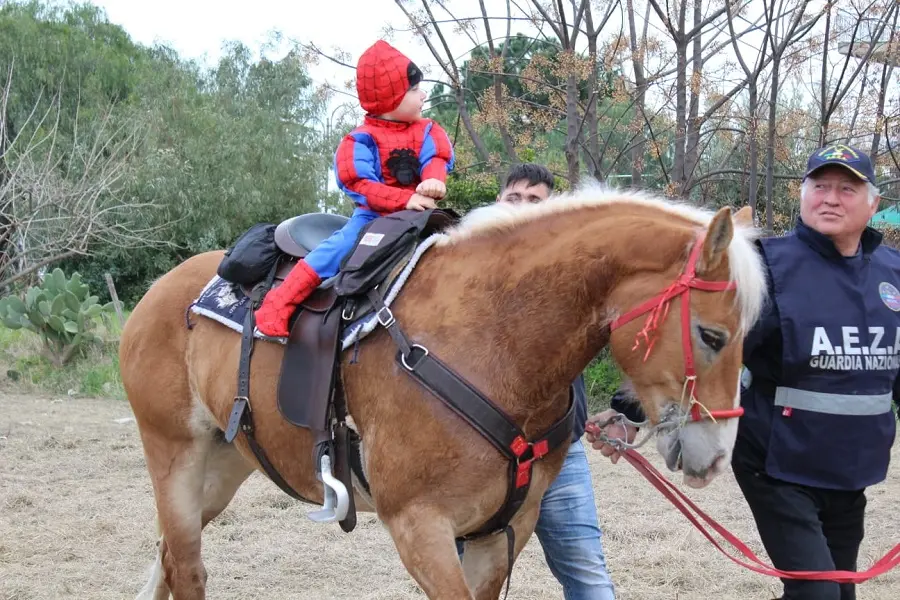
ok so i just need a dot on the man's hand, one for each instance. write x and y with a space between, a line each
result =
433 188
420 202
613 431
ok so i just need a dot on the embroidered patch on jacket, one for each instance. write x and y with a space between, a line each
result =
403 165
889 295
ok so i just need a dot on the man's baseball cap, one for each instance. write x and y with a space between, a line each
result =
854 160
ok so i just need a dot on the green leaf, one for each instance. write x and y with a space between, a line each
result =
12 323
16 305
71 327
31 297
72 301
59 279
93 311
57 324
27 324
44 307
74 284
59 305
50 286
35 316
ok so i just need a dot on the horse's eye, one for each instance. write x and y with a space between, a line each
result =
714 339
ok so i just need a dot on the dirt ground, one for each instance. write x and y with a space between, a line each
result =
76 521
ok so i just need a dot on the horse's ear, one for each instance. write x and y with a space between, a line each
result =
744 217
718 237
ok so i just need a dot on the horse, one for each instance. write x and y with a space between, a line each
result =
518 300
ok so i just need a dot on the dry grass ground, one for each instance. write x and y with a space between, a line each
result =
76 521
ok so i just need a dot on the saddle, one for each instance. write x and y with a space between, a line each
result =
309 393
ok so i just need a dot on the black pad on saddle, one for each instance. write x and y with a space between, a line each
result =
299 235
382 244
312 354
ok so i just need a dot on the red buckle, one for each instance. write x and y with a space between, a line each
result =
518 446
540 448
523 473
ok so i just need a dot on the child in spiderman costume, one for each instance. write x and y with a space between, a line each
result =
395 160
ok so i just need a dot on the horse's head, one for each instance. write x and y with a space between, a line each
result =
679 333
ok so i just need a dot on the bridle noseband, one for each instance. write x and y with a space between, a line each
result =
658 307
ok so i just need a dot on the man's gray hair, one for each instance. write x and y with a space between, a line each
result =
873 191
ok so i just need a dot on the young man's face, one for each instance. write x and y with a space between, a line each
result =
521 191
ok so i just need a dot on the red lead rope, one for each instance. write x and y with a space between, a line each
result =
685 505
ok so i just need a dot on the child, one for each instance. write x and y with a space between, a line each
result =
395 160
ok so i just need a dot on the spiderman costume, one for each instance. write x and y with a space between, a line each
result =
378 165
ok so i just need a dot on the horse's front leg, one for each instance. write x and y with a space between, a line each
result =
424 538
486 560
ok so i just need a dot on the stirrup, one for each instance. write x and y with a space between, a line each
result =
337 501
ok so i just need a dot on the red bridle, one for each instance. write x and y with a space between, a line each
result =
658 307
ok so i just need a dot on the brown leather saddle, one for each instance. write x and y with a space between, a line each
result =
308 367
309 393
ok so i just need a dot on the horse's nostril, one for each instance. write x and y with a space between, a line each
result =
719 464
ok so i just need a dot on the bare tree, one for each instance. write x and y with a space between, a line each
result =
861 26
891 58
58 202
752 73
695 43
638 47
779 39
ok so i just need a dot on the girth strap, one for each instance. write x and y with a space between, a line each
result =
241 412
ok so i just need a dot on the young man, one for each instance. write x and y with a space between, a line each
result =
567 527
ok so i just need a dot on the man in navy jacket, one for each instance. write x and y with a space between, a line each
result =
821 370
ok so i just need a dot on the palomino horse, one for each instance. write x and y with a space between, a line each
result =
518 300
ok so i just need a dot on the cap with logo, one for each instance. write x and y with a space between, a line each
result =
854 160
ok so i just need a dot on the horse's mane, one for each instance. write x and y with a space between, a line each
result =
746 268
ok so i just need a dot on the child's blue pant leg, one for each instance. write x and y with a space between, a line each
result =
325 259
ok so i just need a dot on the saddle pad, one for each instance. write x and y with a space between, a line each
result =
225 303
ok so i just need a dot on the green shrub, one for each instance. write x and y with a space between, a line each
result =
601 378
60 310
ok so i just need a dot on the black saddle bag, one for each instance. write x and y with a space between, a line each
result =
252 256
380 246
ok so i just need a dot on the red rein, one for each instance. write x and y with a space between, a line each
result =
685 505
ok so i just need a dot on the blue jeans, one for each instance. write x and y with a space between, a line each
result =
569 533
325 259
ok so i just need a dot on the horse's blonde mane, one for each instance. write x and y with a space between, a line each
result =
745 262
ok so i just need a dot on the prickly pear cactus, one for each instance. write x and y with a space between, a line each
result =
60 310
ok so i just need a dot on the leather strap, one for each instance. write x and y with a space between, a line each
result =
241 412
482 414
